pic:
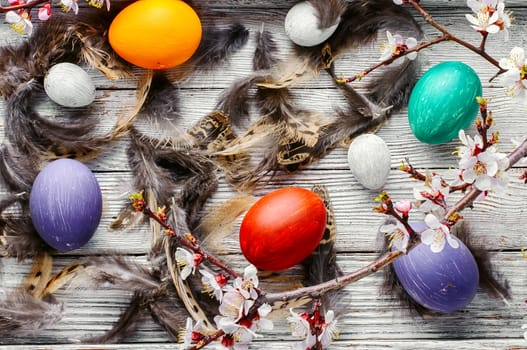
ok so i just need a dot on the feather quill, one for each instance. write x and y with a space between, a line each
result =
321 265
185 293
114 270
217 45
234 101
35 282
169 313
37 137
62 278
28 309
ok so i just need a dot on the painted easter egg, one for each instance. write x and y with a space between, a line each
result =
443 102
282 228
444 282
69 85
156 34
303 28
65 204
369 161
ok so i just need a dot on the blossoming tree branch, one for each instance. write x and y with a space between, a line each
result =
19 12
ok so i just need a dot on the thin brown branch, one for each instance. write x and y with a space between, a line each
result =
479 50
483 43
207 340
390 60
447 36
339 282
518 153
192 246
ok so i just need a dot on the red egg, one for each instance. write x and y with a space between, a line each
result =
282 228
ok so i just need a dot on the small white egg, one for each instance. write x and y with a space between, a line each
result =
69 85
369 161
302 26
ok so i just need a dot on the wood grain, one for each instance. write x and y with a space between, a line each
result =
370 319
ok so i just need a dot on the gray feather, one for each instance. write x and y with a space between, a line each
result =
22 314
328 11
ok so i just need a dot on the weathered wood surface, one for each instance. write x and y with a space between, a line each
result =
372 320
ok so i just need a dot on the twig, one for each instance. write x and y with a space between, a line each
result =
208 339
479 50
447 36
340 282
390 60
188 244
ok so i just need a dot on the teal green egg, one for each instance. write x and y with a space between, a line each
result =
443 102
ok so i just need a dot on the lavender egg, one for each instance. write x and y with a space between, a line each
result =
65 204
444 282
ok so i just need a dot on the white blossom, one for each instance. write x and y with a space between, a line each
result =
299 324
437 235
68 5
397 234
330 331
434 188
238 299
191 333
186 262
302 325
485 170
44 12
489 16
211 285
515 77
244 332
470 145
20 23
398 2
396 45
233 304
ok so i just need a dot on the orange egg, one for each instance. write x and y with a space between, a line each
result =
156 34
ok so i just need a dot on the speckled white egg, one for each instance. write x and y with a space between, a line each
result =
369 161
302 25
69 85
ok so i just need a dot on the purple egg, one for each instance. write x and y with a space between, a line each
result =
444 282
65 204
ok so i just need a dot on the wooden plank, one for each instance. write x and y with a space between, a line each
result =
510 122
367 314
240 64
371 320
357 224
